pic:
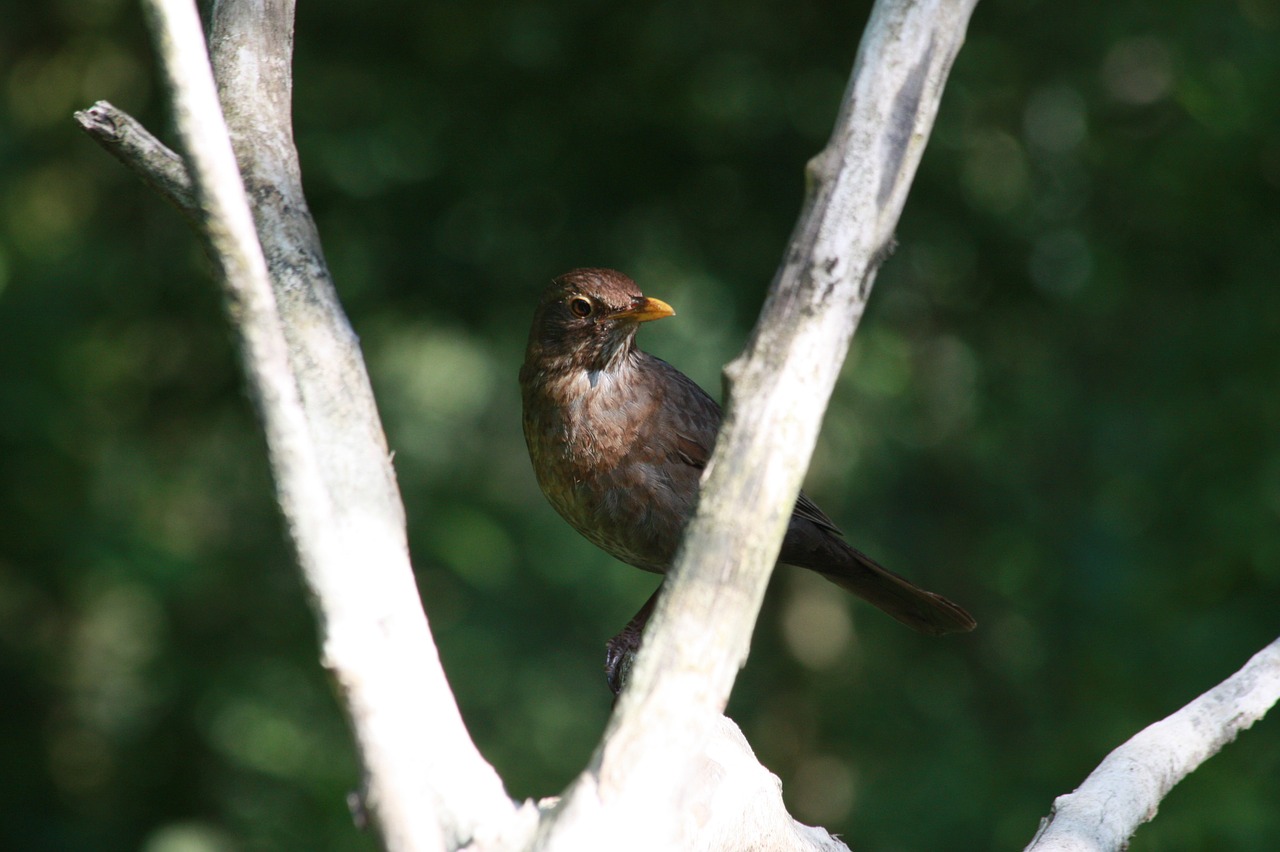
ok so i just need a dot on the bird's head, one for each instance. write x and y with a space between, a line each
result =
587 319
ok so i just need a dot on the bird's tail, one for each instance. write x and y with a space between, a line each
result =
856 572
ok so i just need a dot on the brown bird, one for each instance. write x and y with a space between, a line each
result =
619 438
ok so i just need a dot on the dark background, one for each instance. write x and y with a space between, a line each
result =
1061 409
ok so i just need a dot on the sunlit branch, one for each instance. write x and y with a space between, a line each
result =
1127 787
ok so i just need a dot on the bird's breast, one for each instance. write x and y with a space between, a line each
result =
589 439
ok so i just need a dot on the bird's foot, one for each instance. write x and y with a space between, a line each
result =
619 657
620 651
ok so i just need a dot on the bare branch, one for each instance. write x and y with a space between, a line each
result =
124 138
1127 787
428 787
646 768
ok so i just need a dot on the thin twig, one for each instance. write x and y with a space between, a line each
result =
124 138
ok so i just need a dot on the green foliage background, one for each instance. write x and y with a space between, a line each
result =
1061 408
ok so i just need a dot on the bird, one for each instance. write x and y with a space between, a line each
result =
618 440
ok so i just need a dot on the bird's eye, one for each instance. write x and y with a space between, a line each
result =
580 307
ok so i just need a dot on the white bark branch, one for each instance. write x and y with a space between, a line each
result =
1127 787
427 786
646 770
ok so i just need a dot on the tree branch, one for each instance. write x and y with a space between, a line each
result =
124 138
427 786
646 768
1127 787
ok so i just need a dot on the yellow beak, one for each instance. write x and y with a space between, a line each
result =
649 309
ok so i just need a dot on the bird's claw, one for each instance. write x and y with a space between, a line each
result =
619 657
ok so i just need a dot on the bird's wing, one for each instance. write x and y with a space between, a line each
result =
695 420
691 415
691 451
